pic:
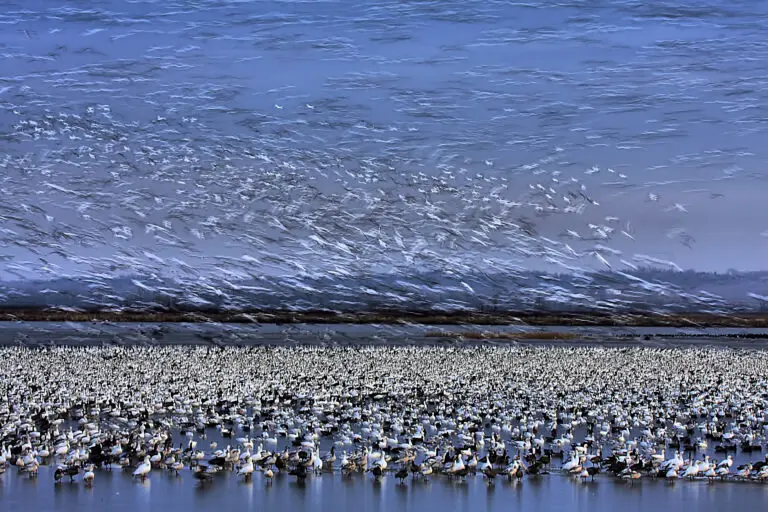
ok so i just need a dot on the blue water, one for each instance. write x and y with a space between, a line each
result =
166 492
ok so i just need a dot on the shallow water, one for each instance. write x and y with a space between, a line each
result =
164 491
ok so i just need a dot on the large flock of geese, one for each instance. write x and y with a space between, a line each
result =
210 221
414 412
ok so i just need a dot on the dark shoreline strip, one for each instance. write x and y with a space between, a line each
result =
690 320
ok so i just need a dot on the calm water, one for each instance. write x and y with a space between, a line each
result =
162 491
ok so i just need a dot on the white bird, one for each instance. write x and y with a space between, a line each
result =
246 469
727 462
692 470
572 463
89 475
143 469
679 207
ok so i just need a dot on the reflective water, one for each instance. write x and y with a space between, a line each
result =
118 491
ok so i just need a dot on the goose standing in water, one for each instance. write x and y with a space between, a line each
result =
143 469
317 463
247 469
631 476
726 463
202 475
89 476
300 472
330 459
572 463
692 471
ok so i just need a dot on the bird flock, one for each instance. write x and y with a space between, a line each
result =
287 235
217 198
491 412
186 162
218 235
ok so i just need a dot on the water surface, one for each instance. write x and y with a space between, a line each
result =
551 493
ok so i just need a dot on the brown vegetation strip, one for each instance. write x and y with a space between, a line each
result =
395 317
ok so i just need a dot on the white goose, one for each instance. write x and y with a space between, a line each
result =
572 463
143 469
89 475
726 463
317 462
692 471
246 469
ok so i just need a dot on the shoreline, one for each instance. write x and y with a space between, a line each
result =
278 317
221 335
